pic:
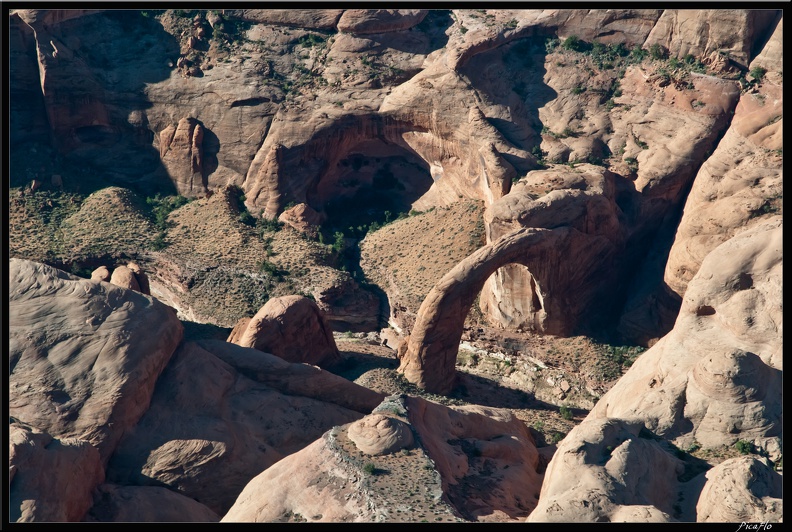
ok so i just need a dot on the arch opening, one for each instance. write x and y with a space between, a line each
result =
371 184
428 356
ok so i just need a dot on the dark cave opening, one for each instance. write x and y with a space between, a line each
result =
374 184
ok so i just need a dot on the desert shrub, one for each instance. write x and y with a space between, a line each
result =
744 446
266 225
370 468
657 52
758 73
637 54
246 218
162 206
566 413
572 43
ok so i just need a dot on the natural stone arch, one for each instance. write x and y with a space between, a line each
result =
428 355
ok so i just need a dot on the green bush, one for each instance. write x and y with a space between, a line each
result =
572 43
657 52
578 90
266 225
566 413
744 446
162 206
758 73
246 218
369 468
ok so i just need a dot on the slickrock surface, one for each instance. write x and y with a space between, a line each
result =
527 199
222 413
155 504
714 380
84 356
51 479
474 463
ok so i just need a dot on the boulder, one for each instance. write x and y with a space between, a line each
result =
102 273
140 277
379 434
302 218
125 278
293 328
744 489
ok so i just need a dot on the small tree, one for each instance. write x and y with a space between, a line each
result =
338 245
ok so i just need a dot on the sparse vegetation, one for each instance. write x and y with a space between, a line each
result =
744 447
758 73
566 413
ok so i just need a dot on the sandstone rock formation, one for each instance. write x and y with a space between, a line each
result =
303 218
429 355
293 328
630 162
740 490
475 462
87 371
550 293
125 278
181 152
703 31
302 18
222 413
605 470
50 479
102 273
379 434
364 21
152 504
323 99
737 187
715 379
